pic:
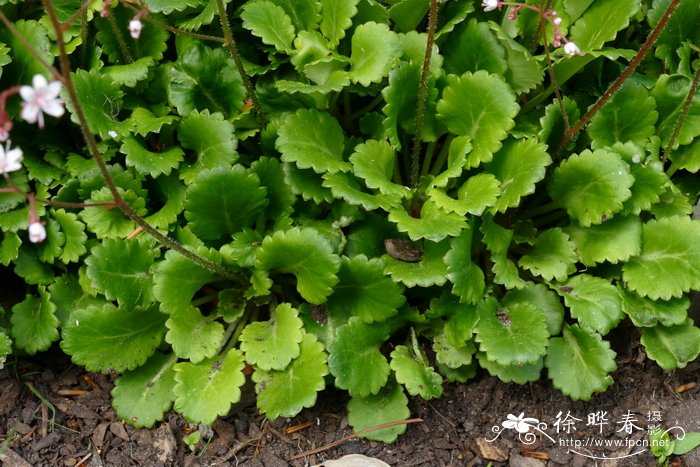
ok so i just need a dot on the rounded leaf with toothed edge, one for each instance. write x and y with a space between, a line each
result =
100 99
430 270
544 299
673 346
614 240
336 18
389 405
375 51
601 22
373 161
270 23
307 255
648 313
417 378
552 257
272 344
213 140
34 325
519 374
192 335
433 223
593 301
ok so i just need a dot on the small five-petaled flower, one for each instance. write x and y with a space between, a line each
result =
40 98
10 159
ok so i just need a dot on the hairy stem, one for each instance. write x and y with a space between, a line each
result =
423 92
126 55
97 155
643 51
683 115
230 44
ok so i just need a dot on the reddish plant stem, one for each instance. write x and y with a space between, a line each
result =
643 51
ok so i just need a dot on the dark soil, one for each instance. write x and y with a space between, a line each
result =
84 431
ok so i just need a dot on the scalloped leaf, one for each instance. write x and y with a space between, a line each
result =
375 51
450 355
434 223
553 256
272 344
519 374
204 78
523 72
143 121
479 105
466 276
149 162
270 23
681 28
669 262
374 161
484 51
192 335
497 240
105 338
670 93
101 100
221 202
629 115
579 363
121 270
674 346
306 254
336 18
307 183
129 75
414 373
648 313
364 291
5 348
286 393
107 221
614 240
479 192
592 186
359 342
346 187
25 65
168 6
541 297
389 405
593 301
513 336
312 139
206 390
601 22
34 325
152 42
430 270
212 138
142 396
279 194
74 232
176 280
518 166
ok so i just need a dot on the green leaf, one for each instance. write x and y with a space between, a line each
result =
336 18
142 396
648 313
9 247
312 139
105 338
593 301
120 47
592 185
673 346
74 231
687 157
204 78
307 255
451 355
212 138
345 186
670 93
497 240
414 373
108 221
668 264
629 115
272 344
681 28
601 22
24 64
479 105
121 270
434 223
168 6
50 248
375 51
222 202
541 297
650 182
523 72
460 147
279 194
270 23
192 335
149 162
430 270
479 192
484 51
176 280
518 166
579 362
129 75
205 390
687 444
100 99
374 161
614 240
143 121
364 291
511 336
31 269
359 342
389 405
552 257
307 183
467 277
5 348
34 325
286 393
519 374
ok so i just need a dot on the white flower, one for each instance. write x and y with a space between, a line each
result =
37 232
490 5
557 21
522 425
135 27
571 48
39 98
10 159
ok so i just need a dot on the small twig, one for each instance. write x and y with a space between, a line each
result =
238 448
683 115
354 435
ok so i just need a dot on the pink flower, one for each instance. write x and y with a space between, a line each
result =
10 159
37 232
39 98
135 27
490 5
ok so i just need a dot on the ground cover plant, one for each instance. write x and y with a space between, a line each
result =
378 196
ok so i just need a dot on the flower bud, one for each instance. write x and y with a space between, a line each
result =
571 48
37 232
490 5
135 27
